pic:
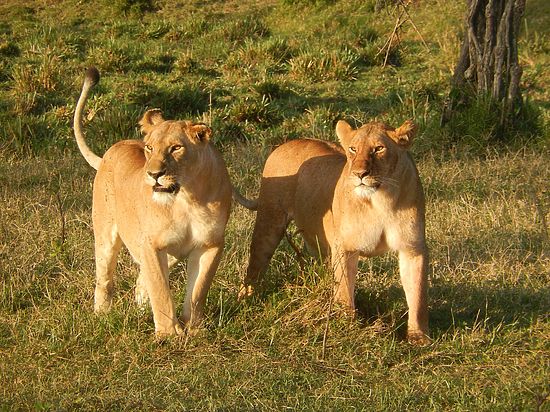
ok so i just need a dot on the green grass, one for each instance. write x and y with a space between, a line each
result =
262 73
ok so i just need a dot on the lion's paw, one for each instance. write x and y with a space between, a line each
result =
102 302
162 333
418 338
245 291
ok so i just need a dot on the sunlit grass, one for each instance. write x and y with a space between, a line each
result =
262 73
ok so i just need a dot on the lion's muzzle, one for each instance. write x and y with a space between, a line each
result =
162 183
364 184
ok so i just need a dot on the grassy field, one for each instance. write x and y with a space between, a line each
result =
261 73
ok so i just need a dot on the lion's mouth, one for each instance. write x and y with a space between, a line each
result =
171 189
366 182
370 185
366 187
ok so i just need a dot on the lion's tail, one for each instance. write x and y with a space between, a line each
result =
91 79
251 204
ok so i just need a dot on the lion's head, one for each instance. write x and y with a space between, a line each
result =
172 151
373 152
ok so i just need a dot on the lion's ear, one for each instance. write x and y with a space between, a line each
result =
200 133
150 118
404 134
344 132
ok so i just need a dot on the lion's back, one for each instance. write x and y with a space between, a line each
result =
287 159
124 157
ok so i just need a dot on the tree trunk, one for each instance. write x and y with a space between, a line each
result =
488 62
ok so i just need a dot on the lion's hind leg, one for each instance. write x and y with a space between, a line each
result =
107 246
269 229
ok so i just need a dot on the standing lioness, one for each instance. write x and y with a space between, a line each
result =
361 199
166 198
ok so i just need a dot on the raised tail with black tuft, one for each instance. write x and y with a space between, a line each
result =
91 79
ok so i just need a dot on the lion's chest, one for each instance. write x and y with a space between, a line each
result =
365 234
373 227
193 229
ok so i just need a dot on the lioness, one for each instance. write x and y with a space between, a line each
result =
361 199
166 198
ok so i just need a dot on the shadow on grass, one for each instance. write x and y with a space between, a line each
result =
466 305
458 307
453 305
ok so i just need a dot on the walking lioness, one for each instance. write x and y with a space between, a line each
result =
362 198
166 198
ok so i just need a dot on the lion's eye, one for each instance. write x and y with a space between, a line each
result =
148 148
352 150
176 148
379 149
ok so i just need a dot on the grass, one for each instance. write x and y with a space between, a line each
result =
262 73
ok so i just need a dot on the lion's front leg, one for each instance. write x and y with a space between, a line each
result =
154 275
345 272
412 269
201 267
141 296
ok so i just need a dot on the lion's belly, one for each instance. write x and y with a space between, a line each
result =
312 224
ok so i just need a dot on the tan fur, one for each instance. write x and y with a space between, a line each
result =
165 198
362 198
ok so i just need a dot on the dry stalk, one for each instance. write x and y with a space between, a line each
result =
61 216
394 36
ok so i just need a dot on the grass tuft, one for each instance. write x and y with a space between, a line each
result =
134 6
245 28
31 85
318 66
9 49
252 109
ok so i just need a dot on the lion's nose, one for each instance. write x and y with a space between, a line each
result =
362 173
157 174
